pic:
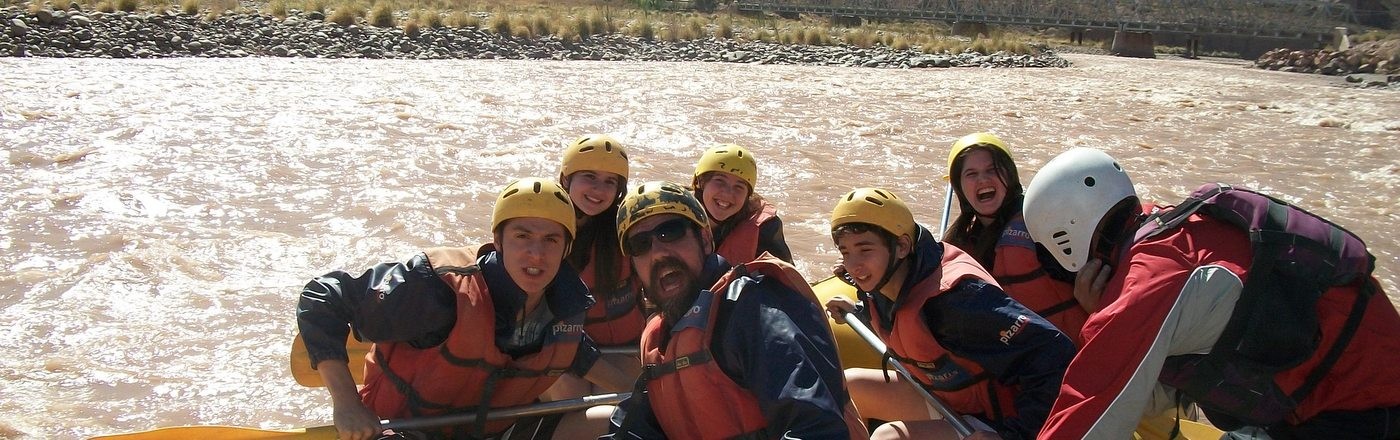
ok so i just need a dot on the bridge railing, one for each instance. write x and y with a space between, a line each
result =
1248 17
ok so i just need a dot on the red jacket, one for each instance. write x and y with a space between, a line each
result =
467 371
1140 299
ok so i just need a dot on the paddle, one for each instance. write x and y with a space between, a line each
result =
308 377
947 210
951 417
210 432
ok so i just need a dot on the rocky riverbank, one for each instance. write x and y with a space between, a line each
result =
1371 64
75 33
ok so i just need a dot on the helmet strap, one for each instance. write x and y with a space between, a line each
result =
895 262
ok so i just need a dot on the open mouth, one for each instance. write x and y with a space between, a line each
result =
534 271
723 205
986 194
669 277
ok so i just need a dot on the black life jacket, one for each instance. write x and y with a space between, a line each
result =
1297 256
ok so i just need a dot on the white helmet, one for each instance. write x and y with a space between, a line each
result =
1069 197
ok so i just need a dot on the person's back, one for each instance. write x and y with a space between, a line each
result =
1171 297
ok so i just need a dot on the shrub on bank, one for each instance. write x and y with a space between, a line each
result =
381 15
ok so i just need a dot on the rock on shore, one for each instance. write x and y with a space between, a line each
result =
1373 63
145 35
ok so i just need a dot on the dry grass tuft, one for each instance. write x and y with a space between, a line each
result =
382 15
346 14
862 38
642 28
429 18
500 23
460 19
725 29
276 8
190 7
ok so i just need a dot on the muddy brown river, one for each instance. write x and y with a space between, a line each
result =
160 216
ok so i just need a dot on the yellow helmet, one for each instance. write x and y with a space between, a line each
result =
974 140
595 152
875 206
731 159
655 198
534 197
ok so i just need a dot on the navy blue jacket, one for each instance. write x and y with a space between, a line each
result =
775 343
967 321
420 309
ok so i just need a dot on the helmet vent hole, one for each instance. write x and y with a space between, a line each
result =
537 187
607 146
511 192
561 198
586 149
875 201
1089 181
1117 167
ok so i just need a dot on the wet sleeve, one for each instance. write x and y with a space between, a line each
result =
770 239
586 356
977 321
633 419
389 302
775 343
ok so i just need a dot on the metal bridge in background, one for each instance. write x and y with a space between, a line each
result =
1295 19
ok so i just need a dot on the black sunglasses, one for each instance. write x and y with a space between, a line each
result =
667 232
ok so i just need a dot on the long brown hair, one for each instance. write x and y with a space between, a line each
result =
598 233
966 232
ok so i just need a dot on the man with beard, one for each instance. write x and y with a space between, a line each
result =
733 352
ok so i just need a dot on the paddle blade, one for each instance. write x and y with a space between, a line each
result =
225 433
308 377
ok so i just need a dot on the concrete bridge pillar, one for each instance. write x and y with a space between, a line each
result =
1076 37
1343 42
1193 46
1133 44
971 29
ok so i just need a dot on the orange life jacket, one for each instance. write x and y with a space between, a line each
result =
616 319
467 371
741 244
959 382
1021 275
690 395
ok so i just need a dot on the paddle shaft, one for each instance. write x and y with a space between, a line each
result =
537 409
947 210
951 417
629 350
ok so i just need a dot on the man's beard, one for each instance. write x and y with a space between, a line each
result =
676 306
